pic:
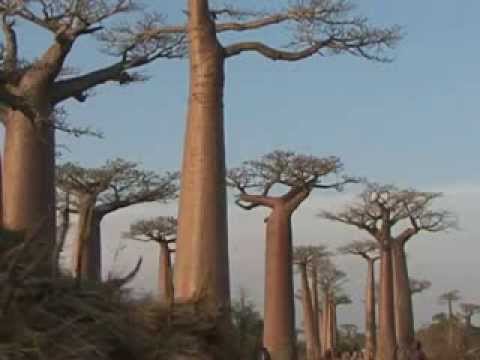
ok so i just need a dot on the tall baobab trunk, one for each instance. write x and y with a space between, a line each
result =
311 340
386 338
450 309
29 178
316 308
403 302
333 325
328 337
279 323
201 266
370 318
87 247
320 332
62 234
165 283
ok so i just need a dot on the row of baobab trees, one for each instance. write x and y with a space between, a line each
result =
281 181
33 90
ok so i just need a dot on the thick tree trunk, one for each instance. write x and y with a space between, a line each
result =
308 317
201 266
279 324
403 303
165 281
386 339
87 247
29 179
370 318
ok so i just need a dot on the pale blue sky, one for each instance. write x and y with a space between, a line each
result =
413 122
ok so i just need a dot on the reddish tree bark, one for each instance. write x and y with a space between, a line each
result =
405 329
311 338
29 154
165 279
202 266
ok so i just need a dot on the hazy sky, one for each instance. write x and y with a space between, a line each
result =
412 122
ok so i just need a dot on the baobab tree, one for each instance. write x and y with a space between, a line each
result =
330 280
418 286
299 175
468 311
163 231
449 298
380 209
303 257
32 89
317 27
98 192
368 250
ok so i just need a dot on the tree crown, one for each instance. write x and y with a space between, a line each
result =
118 183
162 229
380 207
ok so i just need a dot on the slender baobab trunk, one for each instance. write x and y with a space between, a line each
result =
403 303
450 310
279 324
165 283
311 340
29 178
316 308
87 247
370 318
386 338
320 332
333 326
328 323
62 234
201 266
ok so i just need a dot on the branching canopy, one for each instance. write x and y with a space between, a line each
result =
67 21
298 173
367 249
380 207
417 286
469 309
162 229
316 27
305 255
449 296
116 184
329 277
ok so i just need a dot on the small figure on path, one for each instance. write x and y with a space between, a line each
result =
418 353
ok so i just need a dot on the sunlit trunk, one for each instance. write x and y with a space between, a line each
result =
165 284
308 317
201 266
87 246
279 324
403 303
370 318
386 336
29 179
